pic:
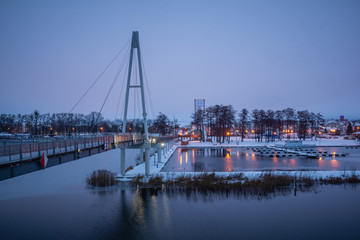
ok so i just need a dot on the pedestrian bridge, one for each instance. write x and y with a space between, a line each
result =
13 151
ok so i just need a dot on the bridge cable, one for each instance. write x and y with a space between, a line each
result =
121 89
148 90
123 105
135 91
99 76
110 89
138 102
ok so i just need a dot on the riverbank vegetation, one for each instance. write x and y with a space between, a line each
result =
267 182
101 178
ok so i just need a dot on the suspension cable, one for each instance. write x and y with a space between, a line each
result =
123 105
121 90
110 89
147 89
99 76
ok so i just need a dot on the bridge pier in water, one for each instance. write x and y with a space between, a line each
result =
146 149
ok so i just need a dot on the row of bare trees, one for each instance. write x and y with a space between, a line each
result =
36 123
67 123
220 119
265 125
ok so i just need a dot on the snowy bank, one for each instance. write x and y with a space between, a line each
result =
321 142
257 174
65 178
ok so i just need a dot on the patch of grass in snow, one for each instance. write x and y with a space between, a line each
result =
266 183
101 178
129 168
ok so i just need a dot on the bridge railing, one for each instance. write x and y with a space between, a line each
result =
24 149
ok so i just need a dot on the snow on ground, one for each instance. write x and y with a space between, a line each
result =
257 174
252 143
64 178
154 166
70 177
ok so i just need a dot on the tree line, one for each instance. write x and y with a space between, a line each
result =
36 123
221 121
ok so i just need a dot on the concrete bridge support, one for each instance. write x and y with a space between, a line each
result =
147 159
159 155
122 161
141 155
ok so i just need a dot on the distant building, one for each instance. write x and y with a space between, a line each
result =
336 127
356 127
342 118
199 104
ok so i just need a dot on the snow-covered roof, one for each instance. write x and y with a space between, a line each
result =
5 134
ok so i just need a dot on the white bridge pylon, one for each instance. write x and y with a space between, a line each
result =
135 46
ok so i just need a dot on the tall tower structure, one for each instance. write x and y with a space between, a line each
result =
135 49
135 45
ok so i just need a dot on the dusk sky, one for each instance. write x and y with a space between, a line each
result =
252 54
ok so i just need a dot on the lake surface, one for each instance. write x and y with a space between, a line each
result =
323 212
242 159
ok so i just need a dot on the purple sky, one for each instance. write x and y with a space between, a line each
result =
252 54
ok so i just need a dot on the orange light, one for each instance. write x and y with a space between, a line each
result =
101 128
73 129
292 131
274 133
228 133
319 133
246 131
252 131
51 128
180 134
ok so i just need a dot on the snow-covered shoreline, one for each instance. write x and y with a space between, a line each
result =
155 169
70 177
259 173
252 143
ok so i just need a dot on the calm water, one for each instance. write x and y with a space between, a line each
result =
239 159
325 212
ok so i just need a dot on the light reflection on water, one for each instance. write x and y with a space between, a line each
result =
334 163
241 159
144 213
